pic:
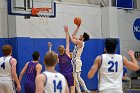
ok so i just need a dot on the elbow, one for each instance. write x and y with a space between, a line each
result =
136 68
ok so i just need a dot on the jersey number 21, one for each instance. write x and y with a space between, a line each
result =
113 66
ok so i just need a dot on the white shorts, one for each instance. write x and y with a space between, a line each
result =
112 91
78 64
6 86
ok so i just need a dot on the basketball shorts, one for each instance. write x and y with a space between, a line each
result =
7 85
29 88
111 91
69 77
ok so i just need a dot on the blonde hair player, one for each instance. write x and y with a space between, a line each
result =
50 81
8 71
110 67
76 59
64 63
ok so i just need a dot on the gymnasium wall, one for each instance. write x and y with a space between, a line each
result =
32 34
128 41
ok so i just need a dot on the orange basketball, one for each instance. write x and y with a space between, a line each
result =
77 21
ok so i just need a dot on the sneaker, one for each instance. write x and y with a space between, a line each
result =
87 91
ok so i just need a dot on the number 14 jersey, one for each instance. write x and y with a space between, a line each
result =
55 82
111 72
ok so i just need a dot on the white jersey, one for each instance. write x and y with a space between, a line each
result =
6 82
5 66
55 82
76 57
111 72
77 52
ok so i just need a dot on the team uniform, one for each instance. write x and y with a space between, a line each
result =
6 81
66 68
77 64
30 77
55 83
110 73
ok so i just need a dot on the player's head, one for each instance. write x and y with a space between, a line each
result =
7 50
84 37
110 45
50 59
36 55
61 49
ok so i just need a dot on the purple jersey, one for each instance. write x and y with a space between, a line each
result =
65 63
31 73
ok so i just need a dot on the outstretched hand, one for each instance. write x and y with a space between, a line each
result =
49 44
65 28
131 53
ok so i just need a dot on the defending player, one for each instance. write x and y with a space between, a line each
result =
76 59
110 67
51 81
65 63
32 69
8 71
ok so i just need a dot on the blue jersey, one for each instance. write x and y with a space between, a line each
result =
65 63
124 71
31 73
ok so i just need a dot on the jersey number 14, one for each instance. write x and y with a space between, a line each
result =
57 86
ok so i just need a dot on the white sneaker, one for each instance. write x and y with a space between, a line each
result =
87 91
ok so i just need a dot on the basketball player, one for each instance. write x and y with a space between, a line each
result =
110 67
51 81
32 69
8 71
65 63
76 59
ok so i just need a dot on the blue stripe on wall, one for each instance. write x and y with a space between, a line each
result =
24 46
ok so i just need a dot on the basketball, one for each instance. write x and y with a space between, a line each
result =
77 21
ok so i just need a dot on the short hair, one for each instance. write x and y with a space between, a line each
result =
86 36
50 59
36 55
110 45
6 49
60 48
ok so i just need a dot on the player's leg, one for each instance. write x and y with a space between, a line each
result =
70 80
129 82
82 83
77 83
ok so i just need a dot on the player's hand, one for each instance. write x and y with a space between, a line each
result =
18 88
65 28
49 44
131 53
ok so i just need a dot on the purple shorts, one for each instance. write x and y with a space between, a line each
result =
29 88
70 79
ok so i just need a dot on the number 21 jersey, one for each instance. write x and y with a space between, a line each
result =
111 72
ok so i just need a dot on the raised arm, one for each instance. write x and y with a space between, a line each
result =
75 32
14 74
50 46
73 40
67 40
23 71
133 64
95 67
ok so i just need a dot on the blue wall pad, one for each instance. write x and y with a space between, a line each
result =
24 46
